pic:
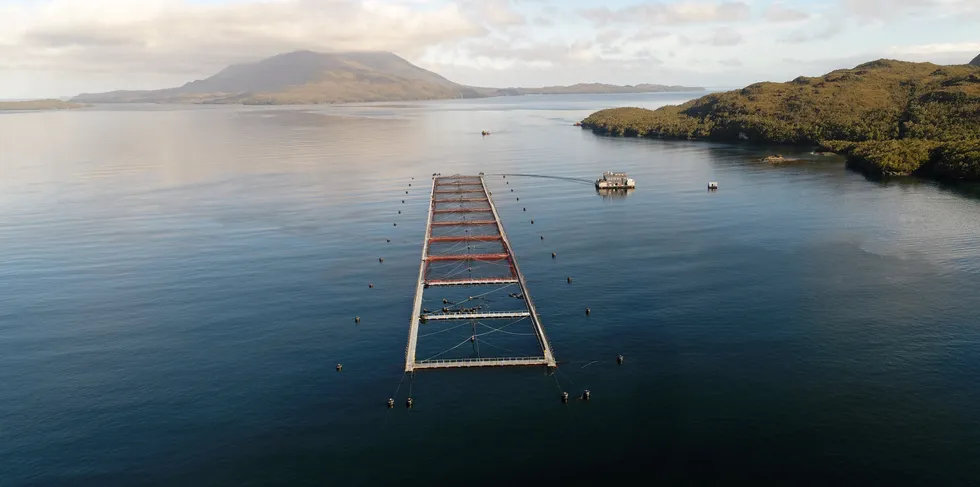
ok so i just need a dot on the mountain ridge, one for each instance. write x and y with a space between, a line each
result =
307 77
976 61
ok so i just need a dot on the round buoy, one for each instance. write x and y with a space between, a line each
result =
511 190
518 199
569 280
403 201
586 395
564 397
542 237
508 182
588 311
408 402
340 367
532 222
381 259
357 319
370 286
409 184
399 212
525 209
391 403
406 192
619 359
553 255
394 224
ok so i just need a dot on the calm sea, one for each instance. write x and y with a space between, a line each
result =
177 285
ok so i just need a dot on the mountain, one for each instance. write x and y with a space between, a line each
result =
305 77
976 61
888 117
590 88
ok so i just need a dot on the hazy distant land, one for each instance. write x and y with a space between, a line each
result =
305 77
39 105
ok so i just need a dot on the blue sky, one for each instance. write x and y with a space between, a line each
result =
64 47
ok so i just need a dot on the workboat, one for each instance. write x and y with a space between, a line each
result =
614 180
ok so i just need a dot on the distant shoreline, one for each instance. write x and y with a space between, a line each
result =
47 104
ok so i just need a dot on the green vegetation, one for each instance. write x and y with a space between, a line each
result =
889 117
38 105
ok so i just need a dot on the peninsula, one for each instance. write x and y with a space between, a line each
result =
889 117
39 105
306 77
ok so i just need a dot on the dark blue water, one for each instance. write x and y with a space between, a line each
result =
178 284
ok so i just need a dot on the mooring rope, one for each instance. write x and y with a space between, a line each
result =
561 178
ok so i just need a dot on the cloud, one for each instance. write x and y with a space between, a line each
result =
670 13
495 13
725 36
169 36
942 48
649 34
809 34
779 13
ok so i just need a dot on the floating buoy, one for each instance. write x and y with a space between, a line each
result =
403 201
394 224
588 311
564 397
505 176
340 367
518 199
406 192
553 255
532 222
381 259
542 237
409 184
508 182
619 359
399 212
569 280
388 240
525 209
370 286
586 395
408 402
391 403
511 189
357 319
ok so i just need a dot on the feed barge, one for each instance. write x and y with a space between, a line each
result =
615 180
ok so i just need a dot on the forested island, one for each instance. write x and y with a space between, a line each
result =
888 117
39 105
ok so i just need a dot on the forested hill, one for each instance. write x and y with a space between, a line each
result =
889 117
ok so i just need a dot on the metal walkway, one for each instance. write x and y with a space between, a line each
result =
469 189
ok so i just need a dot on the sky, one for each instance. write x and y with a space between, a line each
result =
57 48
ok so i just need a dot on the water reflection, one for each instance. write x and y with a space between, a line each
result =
614 194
